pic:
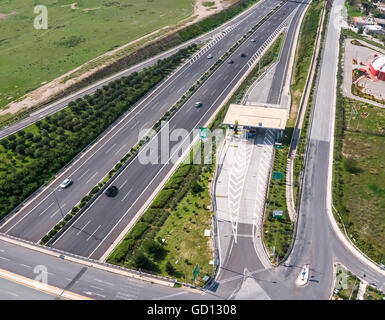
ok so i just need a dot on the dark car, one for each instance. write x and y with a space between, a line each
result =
112 191
243 55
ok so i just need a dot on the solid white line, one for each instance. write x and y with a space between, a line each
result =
83 227
93 176
93 233
6 259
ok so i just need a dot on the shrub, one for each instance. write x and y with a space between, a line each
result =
162 198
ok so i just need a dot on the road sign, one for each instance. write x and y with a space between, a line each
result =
278 145
195 271
277 175
203 133
277 213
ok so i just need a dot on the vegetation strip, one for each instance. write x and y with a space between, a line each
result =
278 231
70 218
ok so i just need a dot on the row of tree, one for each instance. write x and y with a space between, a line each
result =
32 156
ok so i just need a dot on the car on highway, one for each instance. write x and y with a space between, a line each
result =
198 104
66 183
231 62
252 40
112 191
243 55
210 56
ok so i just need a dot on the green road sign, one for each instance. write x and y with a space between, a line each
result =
195 271
277 175
277 214
278 145
203 133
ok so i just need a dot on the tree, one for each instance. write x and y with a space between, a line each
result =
170 268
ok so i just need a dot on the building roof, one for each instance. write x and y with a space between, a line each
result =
378 63
263 116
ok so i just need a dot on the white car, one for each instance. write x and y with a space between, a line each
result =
210 56
198 104
65 183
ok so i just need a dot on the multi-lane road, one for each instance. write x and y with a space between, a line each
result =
95 231
43 212
316 243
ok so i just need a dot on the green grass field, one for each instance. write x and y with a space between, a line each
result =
30 57
363 174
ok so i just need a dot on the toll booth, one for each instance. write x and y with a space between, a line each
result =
244 120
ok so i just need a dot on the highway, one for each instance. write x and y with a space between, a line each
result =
316 242
240 276
95 231
82 279
13 291
44 211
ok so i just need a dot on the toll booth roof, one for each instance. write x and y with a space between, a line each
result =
261 116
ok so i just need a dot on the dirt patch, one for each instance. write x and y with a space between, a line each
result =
4 15
202 11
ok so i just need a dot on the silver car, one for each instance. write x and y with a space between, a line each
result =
65 183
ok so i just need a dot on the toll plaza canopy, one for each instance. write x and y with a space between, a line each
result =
257 116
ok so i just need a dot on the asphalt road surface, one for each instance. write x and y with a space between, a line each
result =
94 232
45 210
86 281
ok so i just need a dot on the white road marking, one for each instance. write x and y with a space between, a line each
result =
93 233
6 259
93 176
110 148
25 266
123 184
54 214
120 149
83 174
102 281
44 210
127 195
83 227
12 294
97 288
